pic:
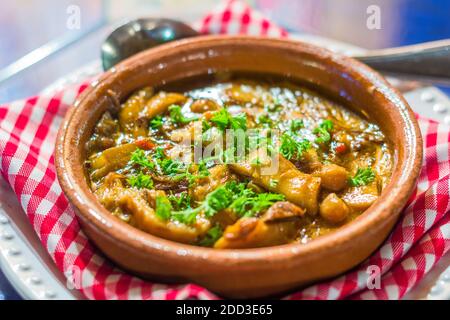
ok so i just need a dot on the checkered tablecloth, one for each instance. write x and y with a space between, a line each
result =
27 136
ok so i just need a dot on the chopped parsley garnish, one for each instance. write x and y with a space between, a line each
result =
235 196
248 203
211 236
159 153
205 125
140 181
290 147
296 124
224 120
171 167
362 177
264 119
140 158
163 208
156 122
175 169
181 201
323 131
202 168
177 116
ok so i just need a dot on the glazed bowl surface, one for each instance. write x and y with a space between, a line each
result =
242 273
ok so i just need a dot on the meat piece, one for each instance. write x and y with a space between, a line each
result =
129 118
243 94
103 134
279 225
109 190
332 176
106 125
218 175
99 143
111 159
310 161
298 187
144 218
187 133
160 103
202 105
138 204
333 209
283 211
224 218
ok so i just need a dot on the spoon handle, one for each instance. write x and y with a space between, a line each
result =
429 62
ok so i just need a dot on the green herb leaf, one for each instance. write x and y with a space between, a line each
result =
211 236
163 208
156 122
182 201
248 203
264 119
232 195
296 124
140 158
362 177
203 169
141 181
171 167
218 200
323 131
177 116
205 125
290 147
239 121
224 120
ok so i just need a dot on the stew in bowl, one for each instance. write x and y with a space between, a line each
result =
332 164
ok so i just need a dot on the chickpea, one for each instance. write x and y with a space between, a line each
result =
333 209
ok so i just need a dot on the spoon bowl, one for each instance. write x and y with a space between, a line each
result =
138 35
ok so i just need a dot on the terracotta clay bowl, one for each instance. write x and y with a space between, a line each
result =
244 273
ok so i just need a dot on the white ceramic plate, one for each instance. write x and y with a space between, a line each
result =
33 274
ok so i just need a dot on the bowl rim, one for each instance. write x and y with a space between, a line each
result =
132 238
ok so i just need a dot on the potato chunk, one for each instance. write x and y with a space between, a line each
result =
333 209
279 225
298 187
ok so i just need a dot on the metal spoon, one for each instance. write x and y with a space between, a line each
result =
138 35
429 62
426 62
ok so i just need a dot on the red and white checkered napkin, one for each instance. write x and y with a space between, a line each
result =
27 136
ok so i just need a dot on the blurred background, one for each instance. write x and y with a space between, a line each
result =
28 24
